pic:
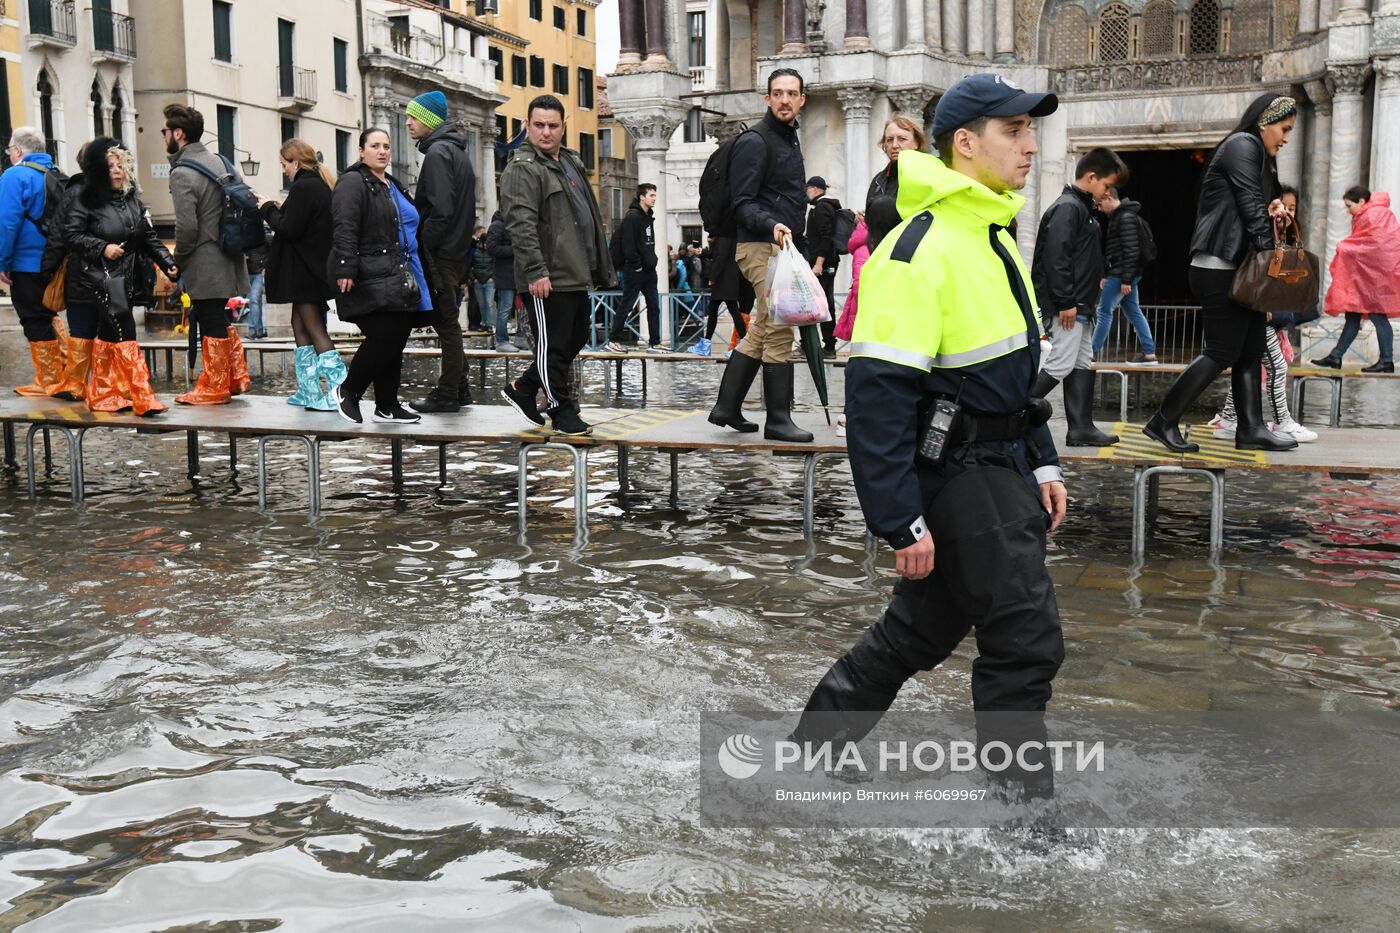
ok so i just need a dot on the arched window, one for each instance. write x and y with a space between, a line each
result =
1070 38
1205 27
1251 25
1113 33
98 121
45 89
1158 29
117 106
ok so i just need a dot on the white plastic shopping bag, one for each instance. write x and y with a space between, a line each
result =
794 295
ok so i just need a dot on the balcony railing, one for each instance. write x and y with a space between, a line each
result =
113 35
52 22
296 88
700 77
426 50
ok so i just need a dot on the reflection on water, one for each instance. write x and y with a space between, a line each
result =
213 718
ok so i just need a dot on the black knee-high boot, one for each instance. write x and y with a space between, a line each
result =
1250 433
1164 427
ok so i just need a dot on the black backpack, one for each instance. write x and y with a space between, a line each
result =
716 201
55 199
240 224
1147 246
845 228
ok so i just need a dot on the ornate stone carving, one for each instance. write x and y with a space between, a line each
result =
911 100
1387 68
1027 13
722 128
651 130
856 102
1145 76
1347 80
816 40
1320 95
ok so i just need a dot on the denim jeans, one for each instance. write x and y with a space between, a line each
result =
1385 337
505 301
255 304
1112 294
486 300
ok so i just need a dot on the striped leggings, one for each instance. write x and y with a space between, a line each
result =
1275 387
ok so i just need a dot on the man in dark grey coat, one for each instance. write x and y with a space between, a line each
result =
210 275
446 202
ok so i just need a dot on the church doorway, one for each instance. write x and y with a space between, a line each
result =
1166 182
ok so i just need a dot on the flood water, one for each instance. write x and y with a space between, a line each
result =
401 716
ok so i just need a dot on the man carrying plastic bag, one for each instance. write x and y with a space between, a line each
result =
764 187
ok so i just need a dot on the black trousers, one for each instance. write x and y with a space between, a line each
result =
211 315
1234 334
638 284
735 314
561 325
87 321
27 294
989 577
447 302
379 359
828 280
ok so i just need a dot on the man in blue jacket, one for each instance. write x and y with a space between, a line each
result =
22 239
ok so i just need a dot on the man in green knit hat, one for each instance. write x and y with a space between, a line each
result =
446 201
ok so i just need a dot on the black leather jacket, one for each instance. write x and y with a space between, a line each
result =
96 219
763 199
1232 218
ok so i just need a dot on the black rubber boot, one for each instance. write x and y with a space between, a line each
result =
777 395
1250 433
1164 427
1044 383
739 374
1079 412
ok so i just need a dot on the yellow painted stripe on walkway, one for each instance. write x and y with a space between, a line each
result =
1134 445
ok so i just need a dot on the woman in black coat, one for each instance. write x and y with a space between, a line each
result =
1235 218
109 236
379 278
296 271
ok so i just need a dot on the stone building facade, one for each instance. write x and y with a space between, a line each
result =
1160 80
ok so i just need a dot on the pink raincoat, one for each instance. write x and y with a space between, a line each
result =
1366 268
859 254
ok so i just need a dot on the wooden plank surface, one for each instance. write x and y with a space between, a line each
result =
1340 450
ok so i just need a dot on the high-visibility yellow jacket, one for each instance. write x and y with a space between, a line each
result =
944 308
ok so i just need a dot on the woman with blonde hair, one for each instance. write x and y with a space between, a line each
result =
296 270
108 231
902 131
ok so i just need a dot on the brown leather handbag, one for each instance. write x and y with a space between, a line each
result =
1282 280
54 298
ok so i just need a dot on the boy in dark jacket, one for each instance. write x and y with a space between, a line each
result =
1067 271
821 251
446 202
1126 254
638 250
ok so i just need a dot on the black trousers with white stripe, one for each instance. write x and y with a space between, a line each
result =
561 324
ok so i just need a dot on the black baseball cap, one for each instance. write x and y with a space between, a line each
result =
816 181
987 95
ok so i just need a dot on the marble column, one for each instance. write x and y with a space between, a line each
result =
794 28
975 24
1315 185
914 24
1385 126
856 104
933 24
1006 29
1308 16
1353 11
657 56
857 31
1290 157
1346 83
630 31
954 19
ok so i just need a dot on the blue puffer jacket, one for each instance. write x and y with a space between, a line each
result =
22 192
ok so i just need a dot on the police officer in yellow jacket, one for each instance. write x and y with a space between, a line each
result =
953 462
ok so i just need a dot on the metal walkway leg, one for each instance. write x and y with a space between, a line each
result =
580 456
74 438
622 478
396 463
809 488
10 462
313 469
675 476
192 453
442 463
1145 493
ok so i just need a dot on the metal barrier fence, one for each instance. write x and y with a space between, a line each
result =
1176 330
683 317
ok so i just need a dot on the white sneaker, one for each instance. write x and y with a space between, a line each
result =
1296 431
1223 429
840 425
